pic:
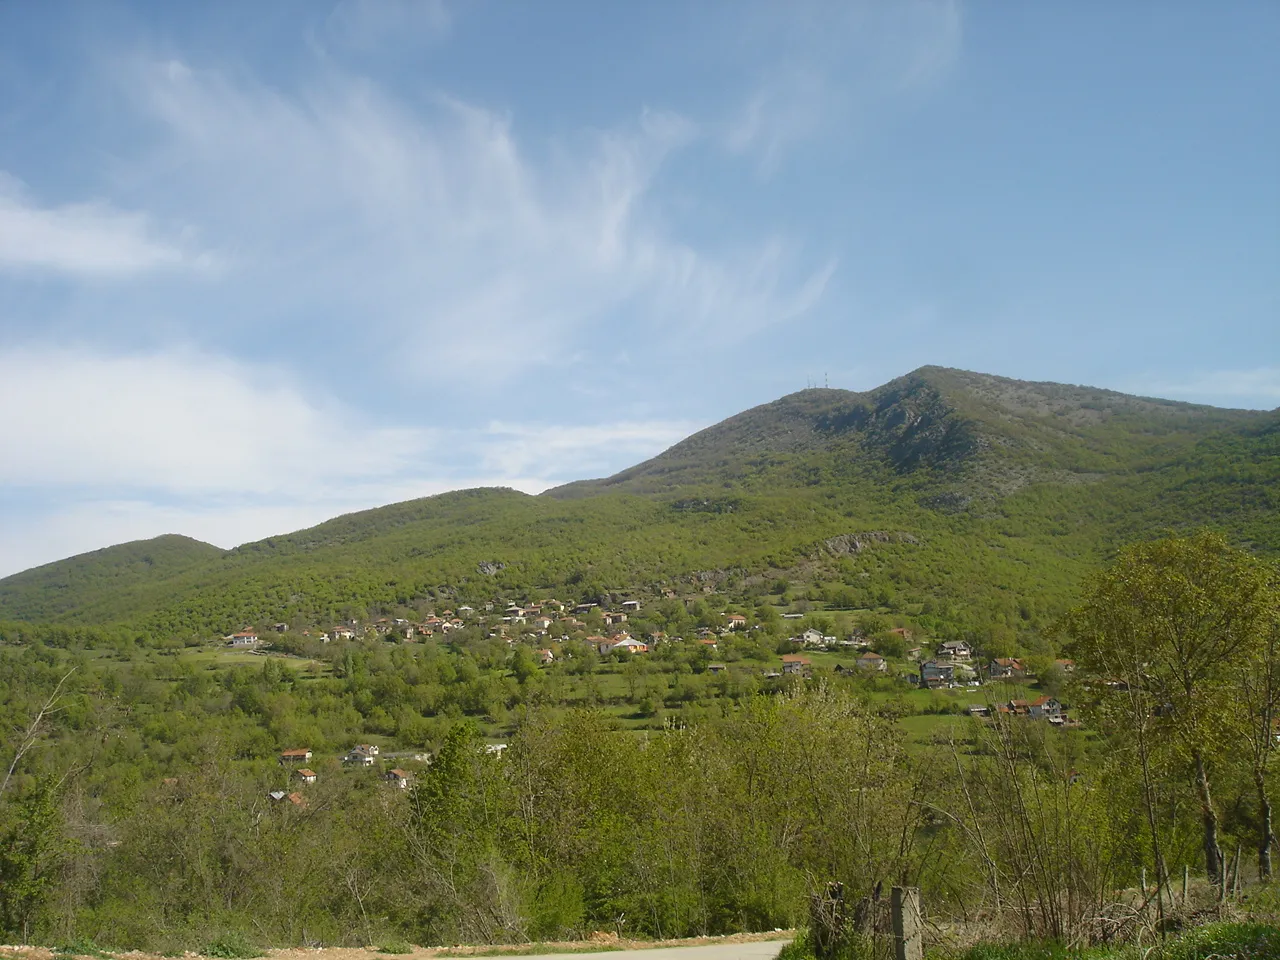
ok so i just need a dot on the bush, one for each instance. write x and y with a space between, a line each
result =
396 946
801 948
231 946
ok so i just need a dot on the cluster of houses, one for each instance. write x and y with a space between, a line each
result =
1042 708
539 619
950 664
361 755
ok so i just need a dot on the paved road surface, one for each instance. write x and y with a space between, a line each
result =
757 950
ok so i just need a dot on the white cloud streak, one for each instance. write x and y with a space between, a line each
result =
179 422
83 239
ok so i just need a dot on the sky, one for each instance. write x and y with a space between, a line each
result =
263 264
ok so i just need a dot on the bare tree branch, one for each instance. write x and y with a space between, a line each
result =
33 732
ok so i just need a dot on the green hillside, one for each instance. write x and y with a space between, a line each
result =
47 592
969 499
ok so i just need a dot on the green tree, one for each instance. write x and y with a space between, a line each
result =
33 846
1168 627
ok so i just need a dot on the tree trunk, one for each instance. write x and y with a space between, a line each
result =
1212 852
1266 829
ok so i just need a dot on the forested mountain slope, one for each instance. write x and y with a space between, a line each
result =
987 499
48 591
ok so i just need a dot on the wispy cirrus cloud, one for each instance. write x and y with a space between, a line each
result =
833 64
369 25
93 239
436 226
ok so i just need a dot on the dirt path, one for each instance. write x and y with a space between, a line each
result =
741 946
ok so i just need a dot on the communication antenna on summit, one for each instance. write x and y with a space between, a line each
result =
825 382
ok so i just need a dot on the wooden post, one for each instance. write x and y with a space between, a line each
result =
1186 884
1144 881
908 941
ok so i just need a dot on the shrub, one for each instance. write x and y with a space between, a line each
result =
396 946
231 946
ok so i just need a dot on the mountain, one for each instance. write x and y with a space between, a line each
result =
970 498
936 418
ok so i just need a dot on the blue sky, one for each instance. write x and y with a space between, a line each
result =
261 264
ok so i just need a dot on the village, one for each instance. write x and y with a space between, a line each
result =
556 632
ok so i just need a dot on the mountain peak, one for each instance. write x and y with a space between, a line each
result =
933 417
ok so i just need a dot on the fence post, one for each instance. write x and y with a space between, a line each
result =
905 908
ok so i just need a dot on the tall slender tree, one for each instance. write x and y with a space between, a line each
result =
1176 619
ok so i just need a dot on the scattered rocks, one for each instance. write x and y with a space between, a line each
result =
848 543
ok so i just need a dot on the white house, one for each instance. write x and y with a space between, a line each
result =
872 661
362 754
629 645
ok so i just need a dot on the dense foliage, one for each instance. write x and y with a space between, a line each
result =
141 814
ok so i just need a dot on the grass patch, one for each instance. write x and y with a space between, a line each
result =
81 948
1214 941
1225 941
